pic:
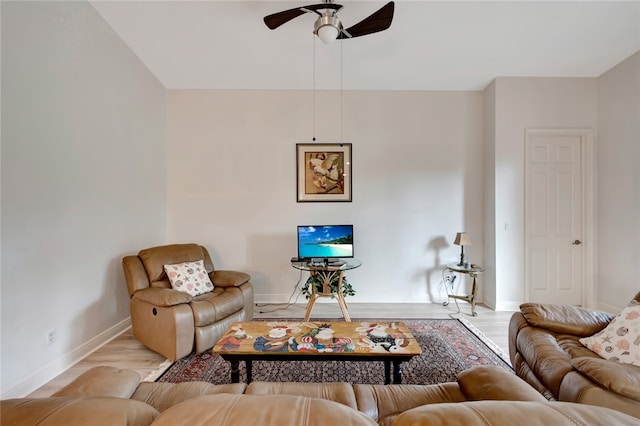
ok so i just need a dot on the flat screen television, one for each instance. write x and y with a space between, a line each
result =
325 242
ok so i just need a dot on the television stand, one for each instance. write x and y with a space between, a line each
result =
327 272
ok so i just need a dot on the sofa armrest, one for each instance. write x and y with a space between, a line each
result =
229 278
567 319
134 274
102 381
492 382
578 388
623 379
162 297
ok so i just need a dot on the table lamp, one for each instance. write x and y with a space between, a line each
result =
462 239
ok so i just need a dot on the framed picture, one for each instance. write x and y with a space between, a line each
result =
324 172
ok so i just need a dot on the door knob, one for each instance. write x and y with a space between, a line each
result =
577 242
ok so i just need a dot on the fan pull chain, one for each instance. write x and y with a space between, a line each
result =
341 56
313 106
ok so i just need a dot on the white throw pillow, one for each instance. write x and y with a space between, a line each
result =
620 340
189 277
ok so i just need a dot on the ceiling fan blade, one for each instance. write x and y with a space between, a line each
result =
378 21
274 20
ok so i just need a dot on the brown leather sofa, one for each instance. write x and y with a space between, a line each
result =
484 396
545 351
174 323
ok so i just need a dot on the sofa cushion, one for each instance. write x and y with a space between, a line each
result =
620 340
338 392
263 410
189 277
212 307
162 396
94 411
623 379
572 346
384 403
483 413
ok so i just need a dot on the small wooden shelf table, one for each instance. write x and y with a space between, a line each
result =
327 272
471 298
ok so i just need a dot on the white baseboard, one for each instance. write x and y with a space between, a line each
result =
66 361
277 298
508 306
283 299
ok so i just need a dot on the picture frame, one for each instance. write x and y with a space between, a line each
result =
323 172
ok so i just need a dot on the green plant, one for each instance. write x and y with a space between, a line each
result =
317 280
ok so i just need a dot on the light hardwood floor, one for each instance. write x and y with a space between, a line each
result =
126 352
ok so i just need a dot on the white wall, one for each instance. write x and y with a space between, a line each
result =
83 183
489 184
417 180
523 103
619 184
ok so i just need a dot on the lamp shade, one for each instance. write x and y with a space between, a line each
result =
462 239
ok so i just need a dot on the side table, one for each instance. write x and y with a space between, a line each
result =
471 298
327 272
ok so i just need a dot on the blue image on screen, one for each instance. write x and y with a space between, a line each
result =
325 241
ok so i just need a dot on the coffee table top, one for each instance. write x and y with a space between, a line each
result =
388 338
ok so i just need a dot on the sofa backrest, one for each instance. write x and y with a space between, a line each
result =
147 268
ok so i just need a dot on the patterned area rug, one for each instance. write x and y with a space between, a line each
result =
448 347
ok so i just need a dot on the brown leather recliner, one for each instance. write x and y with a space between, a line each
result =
545 351
171 322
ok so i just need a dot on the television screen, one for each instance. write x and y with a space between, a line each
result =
325 241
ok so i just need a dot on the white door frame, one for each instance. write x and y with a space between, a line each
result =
589 243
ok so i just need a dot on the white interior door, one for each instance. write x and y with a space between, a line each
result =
554 215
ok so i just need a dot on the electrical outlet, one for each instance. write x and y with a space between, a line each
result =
51 336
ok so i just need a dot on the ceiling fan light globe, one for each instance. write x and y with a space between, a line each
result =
327 28
327 34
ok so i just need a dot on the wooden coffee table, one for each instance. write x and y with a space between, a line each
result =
387 341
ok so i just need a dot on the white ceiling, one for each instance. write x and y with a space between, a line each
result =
447 45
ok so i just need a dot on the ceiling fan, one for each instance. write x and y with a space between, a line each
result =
328 26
